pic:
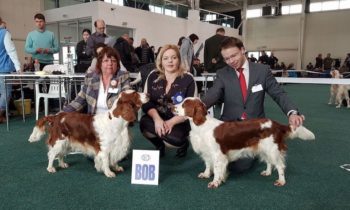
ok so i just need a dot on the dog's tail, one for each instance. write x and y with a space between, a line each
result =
302 133
39 129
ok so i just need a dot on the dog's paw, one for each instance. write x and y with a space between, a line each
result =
203 175
214 184
119 169
51 169
64 165
279 183
109 174
265 173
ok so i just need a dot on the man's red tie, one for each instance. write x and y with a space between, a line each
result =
243 85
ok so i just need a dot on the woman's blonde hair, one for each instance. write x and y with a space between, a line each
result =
160 68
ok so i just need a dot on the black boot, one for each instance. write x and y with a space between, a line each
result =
159 144
182 151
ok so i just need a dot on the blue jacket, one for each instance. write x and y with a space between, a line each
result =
6 64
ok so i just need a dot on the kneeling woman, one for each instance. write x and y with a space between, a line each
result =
167 85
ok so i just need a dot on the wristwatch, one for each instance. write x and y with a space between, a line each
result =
294 112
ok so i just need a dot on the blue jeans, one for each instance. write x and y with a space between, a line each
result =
3 93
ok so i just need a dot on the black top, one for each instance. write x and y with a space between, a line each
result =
182 87
82 57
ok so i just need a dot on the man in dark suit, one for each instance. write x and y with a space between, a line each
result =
242 86
212 56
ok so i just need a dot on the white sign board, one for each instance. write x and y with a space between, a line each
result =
145 167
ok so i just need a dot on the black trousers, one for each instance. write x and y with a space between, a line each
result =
178 136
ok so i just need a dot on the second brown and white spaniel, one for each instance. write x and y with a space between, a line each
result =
104 136
219 143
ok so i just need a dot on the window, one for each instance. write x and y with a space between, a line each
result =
156 9
316 7
160 10
170 12
252 13
118 2
210 17
329 5
344 4
291 9
295 9
226 25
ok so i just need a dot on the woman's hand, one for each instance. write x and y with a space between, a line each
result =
169 124
160 127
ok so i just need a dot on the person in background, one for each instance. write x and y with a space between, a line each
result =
179 42
41 43
272 61
328 64
98 37
124 49
264 59
187 51
144 53
252 58
212 56
96 95
319 63
9 62
169 84
83 60
242 86
310 67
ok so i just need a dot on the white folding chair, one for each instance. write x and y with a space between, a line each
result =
53 92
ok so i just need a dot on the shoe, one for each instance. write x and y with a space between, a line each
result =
182 151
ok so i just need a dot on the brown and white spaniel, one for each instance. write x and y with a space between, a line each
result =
104 136
219 143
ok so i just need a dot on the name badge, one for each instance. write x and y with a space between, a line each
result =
257 88
145 167
112 90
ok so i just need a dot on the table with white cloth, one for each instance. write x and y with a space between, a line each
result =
31 78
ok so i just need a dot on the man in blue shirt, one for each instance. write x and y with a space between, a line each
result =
41 43
8 63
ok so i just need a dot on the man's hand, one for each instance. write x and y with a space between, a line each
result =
39 50
46 51
296 120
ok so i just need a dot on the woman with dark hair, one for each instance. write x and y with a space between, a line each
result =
187 52
83 60
102 86
169 84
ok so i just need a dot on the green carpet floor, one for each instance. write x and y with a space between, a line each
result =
314 178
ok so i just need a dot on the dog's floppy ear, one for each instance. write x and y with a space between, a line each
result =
199 114
126 111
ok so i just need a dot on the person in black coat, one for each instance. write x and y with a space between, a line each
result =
212 56
83 60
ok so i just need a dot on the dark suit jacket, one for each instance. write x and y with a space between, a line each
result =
227 88
212 50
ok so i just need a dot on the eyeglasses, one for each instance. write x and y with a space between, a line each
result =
109 60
